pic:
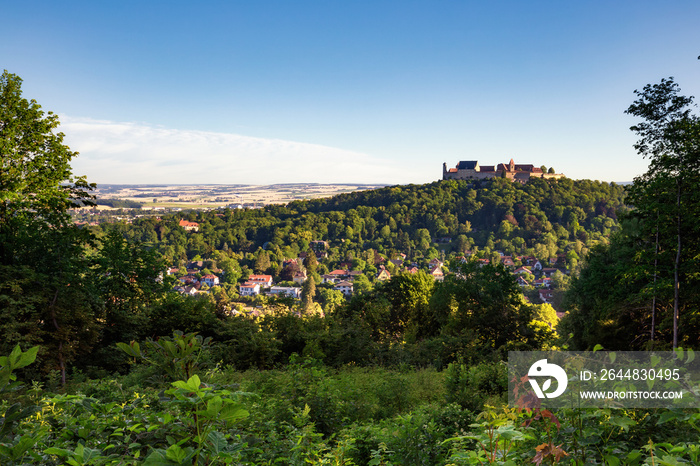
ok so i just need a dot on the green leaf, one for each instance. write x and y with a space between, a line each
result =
27 357
62 452
597 347
176 454
623 422
14 357
181 384
194 383
690 356
667 416
218 442
24 444
214 406
679 353
232 412
131 350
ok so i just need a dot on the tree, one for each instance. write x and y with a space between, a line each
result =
308 292
41 252
37 186
666 196
310 262
485 301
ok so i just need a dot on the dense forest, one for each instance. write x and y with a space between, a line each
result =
541 218
120 369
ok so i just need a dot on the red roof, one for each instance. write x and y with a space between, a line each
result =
185 223
260 278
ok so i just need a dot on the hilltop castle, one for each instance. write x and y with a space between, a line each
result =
512 171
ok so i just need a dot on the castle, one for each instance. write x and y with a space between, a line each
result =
472 170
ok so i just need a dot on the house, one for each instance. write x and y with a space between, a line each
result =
250 289
548 271
189 226
262 280
537 265
292 292
435 263
188 280
542 282
186 290
210 280
328 278
483 262
339 274
521 281
383 274
437 274
344 287
522 270
546 296
299 277
507 261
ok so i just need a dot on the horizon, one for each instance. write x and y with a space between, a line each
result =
310 92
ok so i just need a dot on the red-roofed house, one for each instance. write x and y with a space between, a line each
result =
437 273
210 280
507 261
262 280
250 289
383 274
189 226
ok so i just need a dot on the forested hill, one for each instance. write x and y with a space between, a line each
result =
541 218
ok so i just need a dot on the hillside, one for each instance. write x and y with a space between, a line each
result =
542 218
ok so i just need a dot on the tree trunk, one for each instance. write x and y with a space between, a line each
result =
676 266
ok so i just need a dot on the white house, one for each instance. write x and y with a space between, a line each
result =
210 280
250 289
285 291
344 287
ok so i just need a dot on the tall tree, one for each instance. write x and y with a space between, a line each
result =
38 244
666 196
36 182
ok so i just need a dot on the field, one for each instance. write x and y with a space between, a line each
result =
213 196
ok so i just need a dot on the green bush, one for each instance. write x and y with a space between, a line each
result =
472 387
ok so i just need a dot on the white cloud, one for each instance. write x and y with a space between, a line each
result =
134 153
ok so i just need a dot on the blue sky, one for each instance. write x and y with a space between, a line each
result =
262 92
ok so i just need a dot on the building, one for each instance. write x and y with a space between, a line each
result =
344 287
250 289
189 226
211 280
262 280
285 291
299 277
469 170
